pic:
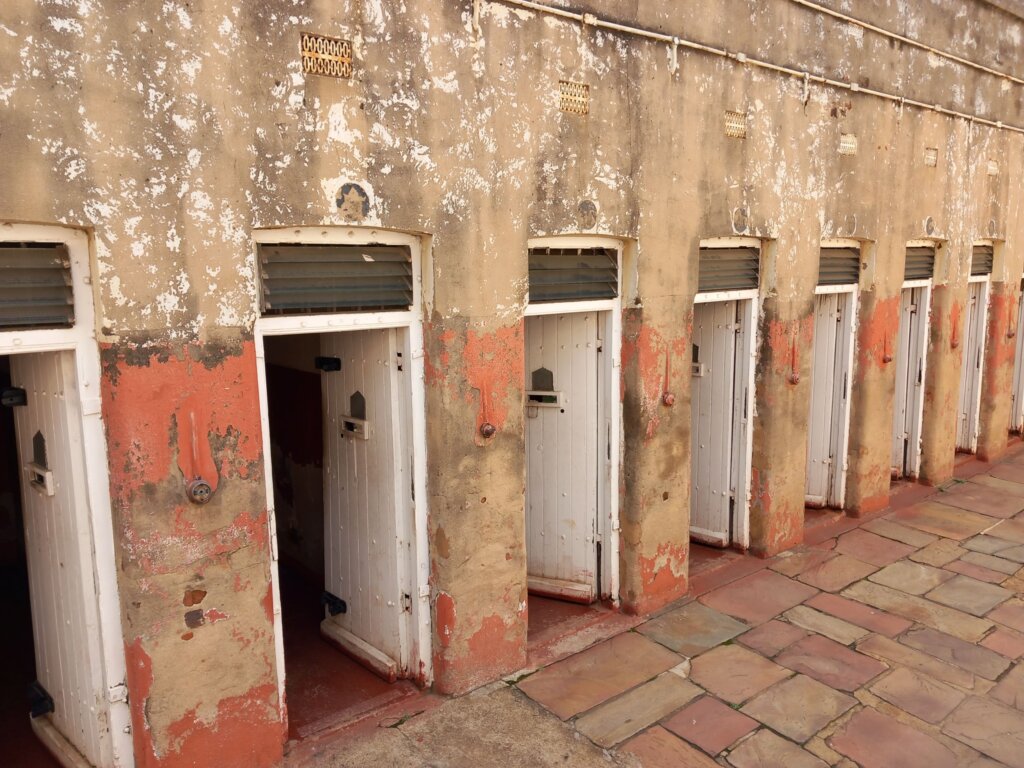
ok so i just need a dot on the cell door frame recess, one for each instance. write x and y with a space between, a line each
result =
913 467
839 470
610 407
1017 393
417 572
750 300
104 638
973 418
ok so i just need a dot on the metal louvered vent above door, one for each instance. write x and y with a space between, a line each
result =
728 269
839 266
981 260
920 263
573 274
35 286
303 279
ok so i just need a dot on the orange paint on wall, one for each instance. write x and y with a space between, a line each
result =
495 368
876 335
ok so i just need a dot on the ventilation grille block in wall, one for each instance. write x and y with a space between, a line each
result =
326 56
574 97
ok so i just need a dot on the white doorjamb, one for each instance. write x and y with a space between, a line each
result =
913 469
837 493
415 530
981 342
610 404
105 640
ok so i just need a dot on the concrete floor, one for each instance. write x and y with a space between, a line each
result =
893 641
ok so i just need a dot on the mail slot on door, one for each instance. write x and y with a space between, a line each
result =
353 427
540 398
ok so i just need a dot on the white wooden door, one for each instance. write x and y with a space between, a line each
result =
908 400
563 454
715 396
368 487
59 550
1017 393
829 405
971 364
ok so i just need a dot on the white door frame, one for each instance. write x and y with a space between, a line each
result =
981 339
750 302
1017 393
610 405
837 486
418 572
105 637
913 470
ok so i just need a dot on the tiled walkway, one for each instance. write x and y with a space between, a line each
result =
894 645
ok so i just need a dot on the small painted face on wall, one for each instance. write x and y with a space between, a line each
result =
353 203
587 214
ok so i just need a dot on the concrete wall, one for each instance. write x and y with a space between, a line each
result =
174 129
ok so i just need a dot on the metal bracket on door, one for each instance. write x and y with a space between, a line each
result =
40 702
334 604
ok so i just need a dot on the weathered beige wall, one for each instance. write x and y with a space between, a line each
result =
174 129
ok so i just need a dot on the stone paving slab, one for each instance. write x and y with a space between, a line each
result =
692 629
910 577
836 573
618 719
815 621
975 571
897 532
871 548
592 677
1001 484
862 615
943 520
963 593
1014 554
798 561
1010 690
798 707
1009 529
974 658
710 724
767 750
657 748
874 740
734 673
978 498
943 618
1008 472
771 637
830 663
758 597
987 544
989 727
938 553
920 695
1006 642
993 563
896 653
1010 614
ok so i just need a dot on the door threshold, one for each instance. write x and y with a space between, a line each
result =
381 665
573 591
62 749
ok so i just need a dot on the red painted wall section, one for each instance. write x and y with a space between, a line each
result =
654 510
194 579
782 391
868 478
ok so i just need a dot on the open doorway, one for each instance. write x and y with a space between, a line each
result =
975 334
63 698
18 671
342 470
571 433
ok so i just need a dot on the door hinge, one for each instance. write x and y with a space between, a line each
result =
407 602
117 694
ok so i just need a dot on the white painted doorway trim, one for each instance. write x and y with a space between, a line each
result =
980 343
840 469
94 516
610 404
420 655
1017 394
913 469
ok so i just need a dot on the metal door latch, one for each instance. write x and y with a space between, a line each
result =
334 604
